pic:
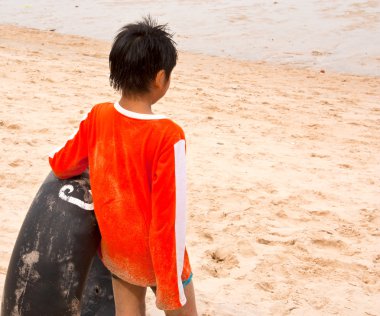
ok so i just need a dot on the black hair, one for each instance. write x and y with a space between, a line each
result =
139 51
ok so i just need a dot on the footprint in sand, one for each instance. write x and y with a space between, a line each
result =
33 142
14 126
15 163
207 236
347 231
265 286
268 242
345 166
222 260
10 126
376 259
338 244
318 302
245 248
320 213
315 155
224 257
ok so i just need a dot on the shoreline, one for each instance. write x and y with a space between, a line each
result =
339 37
290 65
283 170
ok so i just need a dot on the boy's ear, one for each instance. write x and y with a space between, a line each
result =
160 80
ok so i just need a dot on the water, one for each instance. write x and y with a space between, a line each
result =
337 35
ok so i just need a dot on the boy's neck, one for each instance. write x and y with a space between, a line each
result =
138 104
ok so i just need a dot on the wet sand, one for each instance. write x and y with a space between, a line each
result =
283 170
342 35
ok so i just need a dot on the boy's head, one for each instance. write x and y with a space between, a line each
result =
140 50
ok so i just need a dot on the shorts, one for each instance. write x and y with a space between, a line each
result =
186 282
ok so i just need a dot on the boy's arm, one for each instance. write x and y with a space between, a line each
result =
71 159
168 226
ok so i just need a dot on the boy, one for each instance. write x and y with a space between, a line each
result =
136 161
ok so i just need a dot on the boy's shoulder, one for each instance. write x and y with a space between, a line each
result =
171 127
99 108
170 123
102 106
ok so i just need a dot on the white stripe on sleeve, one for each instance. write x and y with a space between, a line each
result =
180 217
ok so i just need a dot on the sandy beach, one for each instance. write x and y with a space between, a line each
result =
283 169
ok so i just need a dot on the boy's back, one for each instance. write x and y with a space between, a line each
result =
136 161
132 157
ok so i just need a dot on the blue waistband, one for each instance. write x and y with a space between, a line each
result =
186 282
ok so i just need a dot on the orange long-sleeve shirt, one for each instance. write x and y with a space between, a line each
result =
137 175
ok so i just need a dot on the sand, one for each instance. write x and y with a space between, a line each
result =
283 169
